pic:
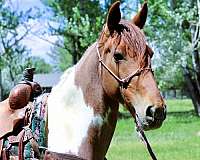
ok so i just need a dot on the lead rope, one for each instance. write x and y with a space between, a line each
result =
140 131
143 137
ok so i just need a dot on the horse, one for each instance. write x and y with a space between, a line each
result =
116 69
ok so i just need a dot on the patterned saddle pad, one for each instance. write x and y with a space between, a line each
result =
39 131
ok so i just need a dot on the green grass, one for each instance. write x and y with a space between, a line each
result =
177 139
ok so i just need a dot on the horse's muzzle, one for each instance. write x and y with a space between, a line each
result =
155 117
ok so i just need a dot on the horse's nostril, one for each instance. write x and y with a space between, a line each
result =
150 111
156 113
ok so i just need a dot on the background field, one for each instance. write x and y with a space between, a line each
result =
177 139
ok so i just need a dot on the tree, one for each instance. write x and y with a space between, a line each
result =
14 55
168 40
39 64
170 32
79 24
12 52
192 72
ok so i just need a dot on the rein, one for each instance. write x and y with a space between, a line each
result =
124 82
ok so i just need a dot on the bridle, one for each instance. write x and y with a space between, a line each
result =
124 83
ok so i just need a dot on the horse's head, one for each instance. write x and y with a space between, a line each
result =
126 58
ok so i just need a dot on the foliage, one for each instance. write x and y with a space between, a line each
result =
14 55
79 33
39 64
80 23
171 141
169 40
65 8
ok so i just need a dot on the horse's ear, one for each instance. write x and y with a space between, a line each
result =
114 16
140 18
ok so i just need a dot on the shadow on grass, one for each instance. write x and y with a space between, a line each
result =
124 115
184 116
182 113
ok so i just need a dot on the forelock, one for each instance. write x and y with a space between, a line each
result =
134 39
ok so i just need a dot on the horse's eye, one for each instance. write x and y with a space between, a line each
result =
118 57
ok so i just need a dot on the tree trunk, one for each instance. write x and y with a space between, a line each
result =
195 55
74 59
192 3
172 4
196 66
74 53
193 91
193 79
174 93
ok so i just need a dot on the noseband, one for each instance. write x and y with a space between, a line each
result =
124 82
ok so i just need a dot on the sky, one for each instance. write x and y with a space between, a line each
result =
38 46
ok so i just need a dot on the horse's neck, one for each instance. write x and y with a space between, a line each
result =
100 133
88 79
78 108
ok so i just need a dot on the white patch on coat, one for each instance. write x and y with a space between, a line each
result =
69 118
